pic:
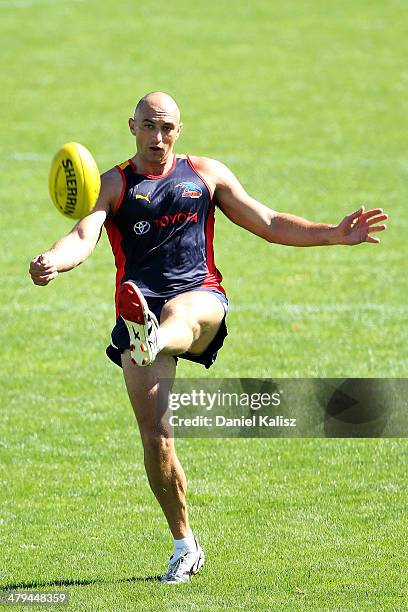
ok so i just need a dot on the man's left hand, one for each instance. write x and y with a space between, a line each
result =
359 226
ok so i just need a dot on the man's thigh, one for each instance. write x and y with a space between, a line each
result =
148 389
203 308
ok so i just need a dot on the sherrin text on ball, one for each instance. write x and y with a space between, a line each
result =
74 181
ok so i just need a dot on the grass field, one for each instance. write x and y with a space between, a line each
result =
306 101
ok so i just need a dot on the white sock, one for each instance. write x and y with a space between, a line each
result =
184 545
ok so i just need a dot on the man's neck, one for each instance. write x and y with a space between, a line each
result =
151 168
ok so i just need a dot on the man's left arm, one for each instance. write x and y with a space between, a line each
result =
285 228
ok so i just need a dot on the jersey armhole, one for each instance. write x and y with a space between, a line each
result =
190 162
122 193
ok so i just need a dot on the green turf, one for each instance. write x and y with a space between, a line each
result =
307 102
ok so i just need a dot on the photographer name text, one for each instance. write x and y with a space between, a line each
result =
256 420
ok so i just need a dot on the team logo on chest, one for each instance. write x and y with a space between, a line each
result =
190 190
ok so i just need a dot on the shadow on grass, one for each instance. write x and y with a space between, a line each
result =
66 583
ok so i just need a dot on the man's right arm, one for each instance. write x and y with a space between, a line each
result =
72 249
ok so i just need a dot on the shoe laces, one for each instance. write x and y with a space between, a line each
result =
174 566
152 324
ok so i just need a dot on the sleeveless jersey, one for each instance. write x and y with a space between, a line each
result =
161 231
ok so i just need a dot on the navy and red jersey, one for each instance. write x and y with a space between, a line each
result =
161 231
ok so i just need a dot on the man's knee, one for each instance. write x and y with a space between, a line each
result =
158 448
185 314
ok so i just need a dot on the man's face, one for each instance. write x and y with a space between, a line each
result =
156 130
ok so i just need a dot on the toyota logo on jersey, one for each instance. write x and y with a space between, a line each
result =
141 227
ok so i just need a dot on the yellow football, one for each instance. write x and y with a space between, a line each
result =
74 181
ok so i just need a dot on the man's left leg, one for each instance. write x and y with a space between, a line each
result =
188 323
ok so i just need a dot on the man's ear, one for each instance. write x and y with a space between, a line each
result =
179 130
132 126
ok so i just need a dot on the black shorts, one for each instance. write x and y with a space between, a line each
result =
120 335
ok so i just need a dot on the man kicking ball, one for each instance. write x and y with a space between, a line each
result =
158 211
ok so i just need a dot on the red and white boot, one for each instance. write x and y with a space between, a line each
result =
141 324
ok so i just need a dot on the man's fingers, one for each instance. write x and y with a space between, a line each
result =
45 263
377 219
372 239
42 268
35 263
38 271
52 276
355 214
49 275
41 260
374 216
370 213
377 228
360 224
43 279
41 263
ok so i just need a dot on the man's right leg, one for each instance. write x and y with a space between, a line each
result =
148 390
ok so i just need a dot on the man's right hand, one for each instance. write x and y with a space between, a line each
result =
42 270
72 249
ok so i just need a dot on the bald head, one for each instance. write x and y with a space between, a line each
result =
156 125
159 102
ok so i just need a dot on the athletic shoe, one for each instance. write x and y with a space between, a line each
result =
184 567
141 323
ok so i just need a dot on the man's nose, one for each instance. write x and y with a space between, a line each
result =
157 136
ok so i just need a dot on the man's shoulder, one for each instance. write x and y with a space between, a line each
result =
215 172
111 184
112 177
210 168
205 163
112 174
